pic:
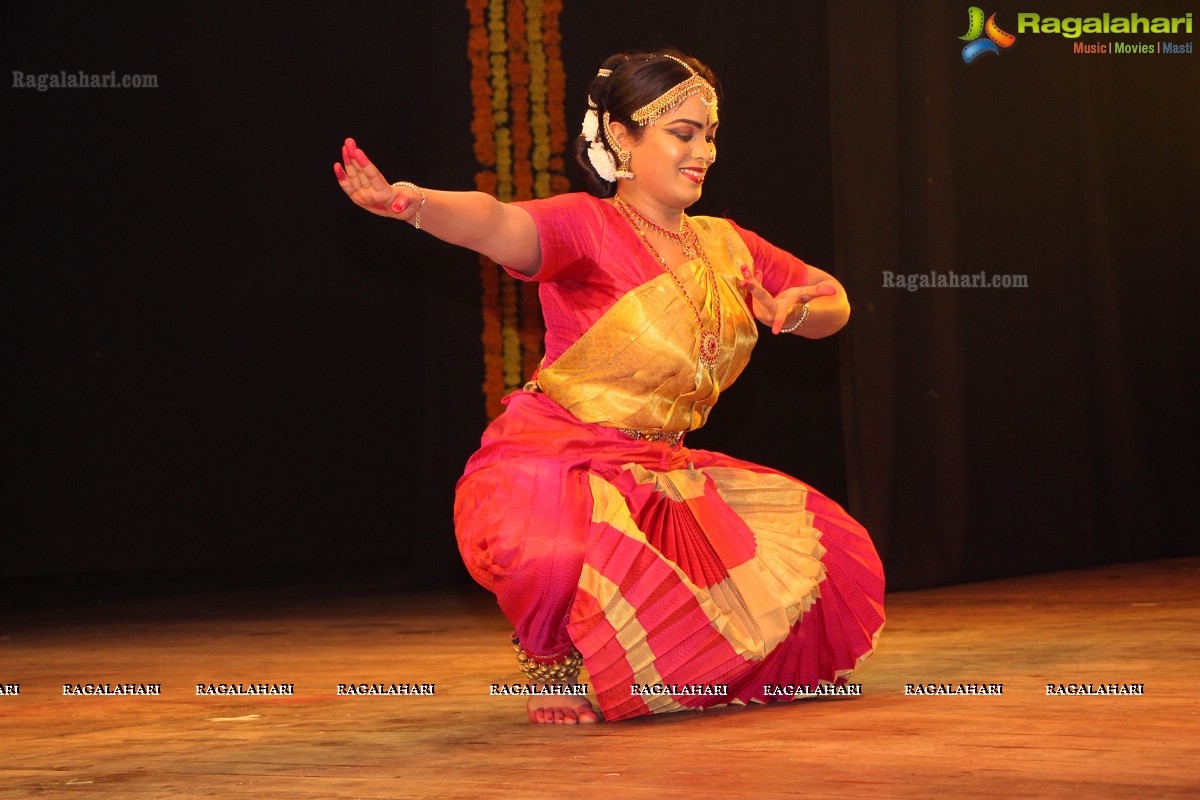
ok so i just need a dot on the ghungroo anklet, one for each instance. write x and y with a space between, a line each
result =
560 668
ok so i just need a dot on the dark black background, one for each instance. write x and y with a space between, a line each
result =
216 365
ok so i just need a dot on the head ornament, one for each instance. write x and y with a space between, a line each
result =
647 114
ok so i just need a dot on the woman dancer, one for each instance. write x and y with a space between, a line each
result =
680 578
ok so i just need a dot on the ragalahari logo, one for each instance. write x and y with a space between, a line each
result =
976 27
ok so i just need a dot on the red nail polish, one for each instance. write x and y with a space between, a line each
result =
360 158
399 206
339 172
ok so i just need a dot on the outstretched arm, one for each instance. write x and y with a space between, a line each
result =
504 233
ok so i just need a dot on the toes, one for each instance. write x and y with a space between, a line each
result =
563 715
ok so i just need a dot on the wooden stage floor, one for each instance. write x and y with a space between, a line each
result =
1125 624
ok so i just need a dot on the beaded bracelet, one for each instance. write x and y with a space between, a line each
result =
417 219
799 322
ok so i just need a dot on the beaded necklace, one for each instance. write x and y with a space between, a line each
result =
710 340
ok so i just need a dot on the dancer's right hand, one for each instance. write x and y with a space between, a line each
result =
367 187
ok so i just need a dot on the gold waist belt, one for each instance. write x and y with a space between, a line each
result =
672 438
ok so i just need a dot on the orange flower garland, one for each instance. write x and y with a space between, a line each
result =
517 92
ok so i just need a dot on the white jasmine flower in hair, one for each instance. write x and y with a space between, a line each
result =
603 162
591 125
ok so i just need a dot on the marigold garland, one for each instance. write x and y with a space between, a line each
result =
517 93
518 72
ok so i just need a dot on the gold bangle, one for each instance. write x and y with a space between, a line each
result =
803 319
416 222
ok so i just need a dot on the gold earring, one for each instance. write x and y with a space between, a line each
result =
623 155
623 170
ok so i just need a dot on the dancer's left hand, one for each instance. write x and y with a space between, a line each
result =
783 309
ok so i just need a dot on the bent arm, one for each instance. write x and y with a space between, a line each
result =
828 312
781 285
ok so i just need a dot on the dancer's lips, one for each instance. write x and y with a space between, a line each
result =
695 174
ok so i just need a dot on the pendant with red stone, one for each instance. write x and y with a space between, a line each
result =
710 348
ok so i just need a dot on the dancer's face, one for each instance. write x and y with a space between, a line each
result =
672 157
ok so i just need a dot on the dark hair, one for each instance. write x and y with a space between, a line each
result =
637 79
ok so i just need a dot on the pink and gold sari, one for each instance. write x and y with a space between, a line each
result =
686 578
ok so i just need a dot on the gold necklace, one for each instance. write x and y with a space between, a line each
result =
710 340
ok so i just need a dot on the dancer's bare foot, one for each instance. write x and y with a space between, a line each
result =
562 709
